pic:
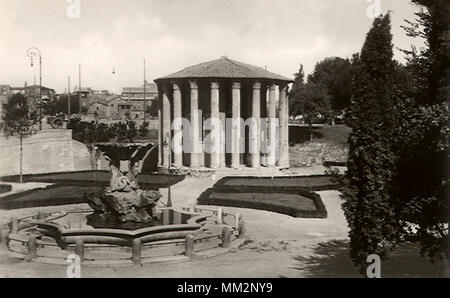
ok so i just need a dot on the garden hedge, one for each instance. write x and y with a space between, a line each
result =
145 180
71 190
5 188
299 182
274 206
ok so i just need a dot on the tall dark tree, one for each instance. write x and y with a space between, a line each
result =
299 83
396 186
309 100
19 121
370 213
60 105
422 170
432 63
336 74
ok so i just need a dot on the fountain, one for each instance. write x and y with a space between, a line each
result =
123 204
123 216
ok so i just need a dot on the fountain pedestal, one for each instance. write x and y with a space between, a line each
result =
123 204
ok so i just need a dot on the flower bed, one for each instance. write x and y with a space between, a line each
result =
100 178
5 188
310 183
51 195
70 187
290 201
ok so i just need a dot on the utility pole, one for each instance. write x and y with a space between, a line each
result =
68 98
79 90
145 111
40 92
31 52
169 192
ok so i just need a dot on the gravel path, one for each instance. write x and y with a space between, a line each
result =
276 240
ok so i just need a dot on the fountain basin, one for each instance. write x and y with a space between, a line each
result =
186 233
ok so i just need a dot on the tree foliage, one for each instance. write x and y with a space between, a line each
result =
371 217
395 188
60 105
309 100
93 132
336 75
19 121
422 171
431 64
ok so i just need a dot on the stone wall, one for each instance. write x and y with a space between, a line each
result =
47 151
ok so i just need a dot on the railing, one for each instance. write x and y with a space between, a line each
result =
187 235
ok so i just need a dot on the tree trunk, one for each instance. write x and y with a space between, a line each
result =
21 156
311 137
92 151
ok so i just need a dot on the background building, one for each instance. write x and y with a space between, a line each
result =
135 96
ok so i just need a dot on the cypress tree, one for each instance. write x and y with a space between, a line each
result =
374 227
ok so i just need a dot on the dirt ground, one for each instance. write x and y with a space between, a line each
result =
276 241
279 245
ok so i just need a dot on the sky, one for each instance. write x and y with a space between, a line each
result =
172 34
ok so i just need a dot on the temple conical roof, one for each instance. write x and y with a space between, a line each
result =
224 68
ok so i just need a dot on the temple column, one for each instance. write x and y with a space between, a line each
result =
284 128
216 136
196 148
166 136
254 129
160 129
236 126
177 146
272 126
263 125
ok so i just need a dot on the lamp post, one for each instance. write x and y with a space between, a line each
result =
169 194
79 90
31 52
144 94
68 98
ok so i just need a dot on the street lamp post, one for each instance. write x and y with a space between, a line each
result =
169 193
79 89
68 98
144 94
31 52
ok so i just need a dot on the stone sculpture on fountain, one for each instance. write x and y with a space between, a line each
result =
123 203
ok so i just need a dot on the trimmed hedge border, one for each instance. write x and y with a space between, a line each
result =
5 188
335 164
320 211
9 202
221 184
86 185
172 179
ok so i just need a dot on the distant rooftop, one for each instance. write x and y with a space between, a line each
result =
225 68
149 87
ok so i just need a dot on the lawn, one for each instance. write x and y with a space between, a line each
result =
331 259
287 195
312 183
337 134
99 178
5 188
52 195
70 187
293 202
329 145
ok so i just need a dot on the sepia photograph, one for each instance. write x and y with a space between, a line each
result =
224 145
